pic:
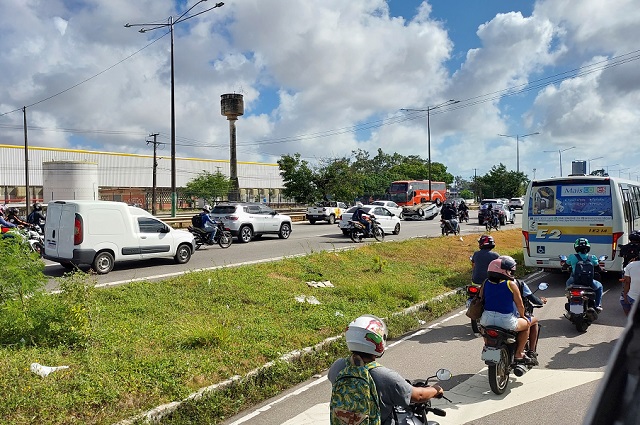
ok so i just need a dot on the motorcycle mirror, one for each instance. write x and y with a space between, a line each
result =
543 286
603 257
443 374
563 257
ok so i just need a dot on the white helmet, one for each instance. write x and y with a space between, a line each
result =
206 208
367 334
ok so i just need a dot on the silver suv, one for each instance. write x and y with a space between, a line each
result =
249 220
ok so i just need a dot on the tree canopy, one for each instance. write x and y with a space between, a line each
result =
210 187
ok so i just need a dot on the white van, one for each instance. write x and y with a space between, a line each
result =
101 233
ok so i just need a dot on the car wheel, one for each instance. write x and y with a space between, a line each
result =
285 231
245 234
401 216
332 219
103 262
183 254
396 230
503 221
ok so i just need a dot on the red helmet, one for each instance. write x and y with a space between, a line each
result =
501 267
487 242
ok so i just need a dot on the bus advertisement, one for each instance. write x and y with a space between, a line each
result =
415 199
560 210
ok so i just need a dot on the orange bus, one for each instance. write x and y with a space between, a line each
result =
414 197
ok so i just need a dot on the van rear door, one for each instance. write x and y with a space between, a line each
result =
59 229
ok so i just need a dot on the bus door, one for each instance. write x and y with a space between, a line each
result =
628 214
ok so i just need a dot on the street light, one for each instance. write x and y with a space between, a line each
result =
607 167
518 137
560 153
589 163
428 111
170 24
620 170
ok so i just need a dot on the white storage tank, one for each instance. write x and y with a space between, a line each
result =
69 180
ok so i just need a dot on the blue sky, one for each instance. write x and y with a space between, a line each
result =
324 78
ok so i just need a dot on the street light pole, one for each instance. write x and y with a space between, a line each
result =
560 154
518 137
170 24
428 111
589 163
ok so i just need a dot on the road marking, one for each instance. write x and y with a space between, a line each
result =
473 399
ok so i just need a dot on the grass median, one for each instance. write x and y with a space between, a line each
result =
154 343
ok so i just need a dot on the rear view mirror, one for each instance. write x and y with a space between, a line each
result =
543 286
443 374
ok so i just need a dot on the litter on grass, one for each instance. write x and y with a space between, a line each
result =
323 284
44 371
308 300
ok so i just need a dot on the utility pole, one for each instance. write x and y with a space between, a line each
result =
155 166
475 185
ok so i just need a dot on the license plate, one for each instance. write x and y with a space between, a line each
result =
490 354
576 308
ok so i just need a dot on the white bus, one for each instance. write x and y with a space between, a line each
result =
559 210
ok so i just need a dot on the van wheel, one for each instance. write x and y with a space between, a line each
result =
103 262
183 255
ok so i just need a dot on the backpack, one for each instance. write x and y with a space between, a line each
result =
196 221
583 272
31 218
354 397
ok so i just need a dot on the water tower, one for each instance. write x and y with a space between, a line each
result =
232 106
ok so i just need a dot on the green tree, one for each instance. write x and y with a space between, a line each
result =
500 183
299 179
466 194
335 180
209 187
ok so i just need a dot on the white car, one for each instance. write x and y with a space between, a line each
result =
250 220
391 206
389 222
516 203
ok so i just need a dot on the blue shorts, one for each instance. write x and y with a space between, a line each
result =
626 306
493 318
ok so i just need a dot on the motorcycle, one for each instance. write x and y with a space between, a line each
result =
580 307
492 222
416 414
463 215
499 350
31 235
447 227
359 231
473 290
222 236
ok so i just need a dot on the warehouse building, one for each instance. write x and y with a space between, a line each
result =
55 173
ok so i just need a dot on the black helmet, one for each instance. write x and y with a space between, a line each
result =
634 236
37 206
486 242
582 245
12 211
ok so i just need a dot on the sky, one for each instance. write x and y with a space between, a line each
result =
326 78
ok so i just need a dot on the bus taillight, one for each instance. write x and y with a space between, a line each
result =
614 245
525 234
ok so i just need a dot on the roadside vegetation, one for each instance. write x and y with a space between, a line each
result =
137 346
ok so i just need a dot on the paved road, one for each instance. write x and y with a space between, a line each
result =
305 238
557 391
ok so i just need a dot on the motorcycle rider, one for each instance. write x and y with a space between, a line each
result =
5 225
503 304
208 225
450 214
481 258
463 209
582 248
366 339
12 217
630 284
361 216
37 217
632 249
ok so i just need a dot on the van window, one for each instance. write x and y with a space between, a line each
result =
149 225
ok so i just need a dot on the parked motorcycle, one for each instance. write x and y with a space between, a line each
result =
222 236
358 231
447 227
416 414
473 290
499 350
580 307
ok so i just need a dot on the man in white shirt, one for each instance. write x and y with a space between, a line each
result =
630 285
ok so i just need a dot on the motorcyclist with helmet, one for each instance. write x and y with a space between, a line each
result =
13 217
582 248
632 249
481 258
37 217
208 225
361 216
450 214
5 226
504 306
366 339
463 210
